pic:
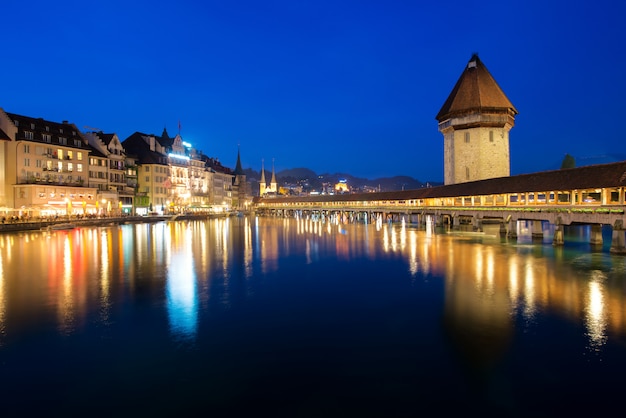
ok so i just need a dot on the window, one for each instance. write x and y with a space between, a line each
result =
490 136
28 135
79 156
70 155
39 164
77 143
79 168
47 129
147 169
47 138
32 126
70 167
63 141
467 137
26 149
467 176
26 162
147 179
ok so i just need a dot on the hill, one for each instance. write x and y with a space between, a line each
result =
308 180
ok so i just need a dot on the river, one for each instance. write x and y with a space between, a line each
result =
302 318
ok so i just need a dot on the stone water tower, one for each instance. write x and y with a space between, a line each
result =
475 122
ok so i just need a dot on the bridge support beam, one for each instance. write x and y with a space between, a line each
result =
512 230
596 234
456 222
477 224
558 239
618 245
537 229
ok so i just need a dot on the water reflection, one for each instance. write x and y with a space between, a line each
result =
595 312
182 288
79 275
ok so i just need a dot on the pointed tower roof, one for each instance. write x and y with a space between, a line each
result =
475 91
273 174
238 169
262 173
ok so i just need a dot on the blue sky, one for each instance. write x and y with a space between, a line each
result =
335 86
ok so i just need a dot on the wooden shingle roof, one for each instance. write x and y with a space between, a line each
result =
475 91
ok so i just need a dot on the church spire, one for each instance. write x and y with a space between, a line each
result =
262 173
273 174
262 182
238 169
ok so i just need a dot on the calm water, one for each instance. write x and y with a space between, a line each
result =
296 318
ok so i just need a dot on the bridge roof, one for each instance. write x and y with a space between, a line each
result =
581 178
476 90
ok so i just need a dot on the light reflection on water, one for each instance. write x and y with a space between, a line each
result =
491 289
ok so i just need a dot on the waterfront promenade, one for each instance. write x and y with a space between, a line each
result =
16 224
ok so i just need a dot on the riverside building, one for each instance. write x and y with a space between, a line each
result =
50 169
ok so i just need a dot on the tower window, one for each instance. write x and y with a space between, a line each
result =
467 137
467 173
490 136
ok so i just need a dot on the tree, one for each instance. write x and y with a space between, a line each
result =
568 162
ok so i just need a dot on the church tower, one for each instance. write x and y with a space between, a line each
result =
240 183
273 184
262 182
475 122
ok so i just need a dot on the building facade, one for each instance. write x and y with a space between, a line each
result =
45 168
51 169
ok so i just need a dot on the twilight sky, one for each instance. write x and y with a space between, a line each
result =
336 86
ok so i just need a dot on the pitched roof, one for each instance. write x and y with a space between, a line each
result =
238 169
137 145
476 90
4 136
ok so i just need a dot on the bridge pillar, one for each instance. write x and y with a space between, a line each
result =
596 234
558 233
512 233
456 222
477 224
537 229
503 231
618 245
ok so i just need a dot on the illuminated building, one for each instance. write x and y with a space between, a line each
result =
264 188
43 168
475 122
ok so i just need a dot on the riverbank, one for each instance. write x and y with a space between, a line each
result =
30 225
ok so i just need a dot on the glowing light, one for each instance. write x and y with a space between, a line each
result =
180 157
595 316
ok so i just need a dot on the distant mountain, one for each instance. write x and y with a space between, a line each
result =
309 180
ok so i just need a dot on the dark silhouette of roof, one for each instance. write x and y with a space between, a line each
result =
137 145
42 126
106 138
238 169
475 91
4 136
